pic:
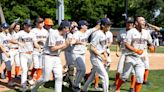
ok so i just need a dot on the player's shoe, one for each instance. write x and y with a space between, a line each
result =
3 76
11 83
18 77
33 88
113 86
24 88
76 89
31 82
146 83
131 90
98 89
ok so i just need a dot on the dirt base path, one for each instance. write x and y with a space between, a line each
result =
156 63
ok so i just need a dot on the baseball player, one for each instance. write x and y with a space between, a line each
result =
51 60
109 37
146 57
27 41
69 75
41 36
79 50
5 42
121 46
136 41
14 29
99 55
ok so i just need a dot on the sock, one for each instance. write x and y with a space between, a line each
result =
39 74
133 81
32 72
146 75
117 78
138 87
96 81
9 75
87 76
118 86
17 69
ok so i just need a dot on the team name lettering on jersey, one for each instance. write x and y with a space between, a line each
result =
5 41
59 43
83 40
103 42
139 41
26 39
39 37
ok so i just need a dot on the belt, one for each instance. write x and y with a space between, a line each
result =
29 52
14 48
49 54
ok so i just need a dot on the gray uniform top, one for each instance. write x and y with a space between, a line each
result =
82 37
41 35
13 35
69 36
54 39
99 41
109 36
121 39
138 40
4 40
27 40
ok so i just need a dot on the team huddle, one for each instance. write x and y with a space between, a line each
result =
41 46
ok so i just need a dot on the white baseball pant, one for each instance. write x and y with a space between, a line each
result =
15 57
145 59
69 58
120 65
51 63
37 59
79 61
135 63
25 62
7 61
98 68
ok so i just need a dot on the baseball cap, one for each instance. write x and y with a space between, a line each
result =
83 22
27 22
130 20
106 21
98 22
5 25
65 23
48 21
39 20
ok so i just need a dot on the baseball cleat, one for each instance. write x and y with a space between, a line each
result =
11 83
146 83
131 90
3 76
18 77
31 82
75 89
24 88
33 89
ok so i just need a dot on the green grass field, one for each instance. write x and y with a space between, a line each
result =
159 49
156 79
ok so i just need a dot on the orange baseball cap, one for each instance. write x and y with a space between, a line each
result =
48 21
